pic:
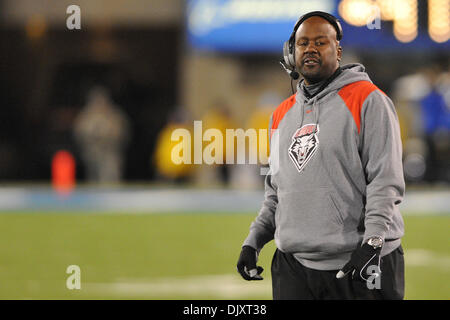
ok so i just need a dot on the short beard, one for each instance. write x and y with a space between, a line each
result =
314 78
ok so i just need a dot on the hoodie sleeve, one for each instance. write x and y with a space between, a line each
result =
381 155
262 229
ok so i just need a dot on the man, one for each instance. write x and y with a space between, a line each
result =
335 180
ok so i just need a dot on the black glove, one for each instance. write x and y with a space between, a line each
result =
246 265
363 257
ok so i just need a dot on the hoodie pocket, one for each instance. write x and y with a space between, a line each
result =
309 221
338 211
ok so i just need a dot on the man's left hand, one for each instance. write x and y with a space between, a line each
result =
363 257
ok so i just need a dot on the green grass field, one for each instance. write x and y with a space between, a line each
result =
171 256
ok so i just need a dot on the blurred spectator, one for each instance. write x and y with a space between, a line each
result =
218 117
102 132
249 175
436 123
423 111
408 90
166 168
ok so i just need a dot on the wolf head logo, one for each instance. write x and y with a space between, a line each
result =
304 144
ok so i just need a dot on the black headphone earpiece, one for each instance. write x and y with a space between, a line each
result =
288 54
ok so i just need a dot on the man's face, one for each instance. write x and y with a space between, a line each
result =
317 52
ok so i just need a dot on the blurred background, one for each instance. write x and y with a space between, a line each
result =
87 115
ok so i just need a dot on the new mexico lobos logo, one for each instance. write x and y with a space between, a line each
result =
304 144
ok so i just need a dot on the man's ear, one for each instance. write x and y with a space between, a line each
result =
339 52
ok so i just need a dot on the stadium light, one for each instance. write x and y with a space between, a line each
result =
439 20
405 20
356 12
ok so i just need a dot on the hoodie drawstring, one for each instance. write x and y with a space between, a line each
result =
316 113
302 111
314 109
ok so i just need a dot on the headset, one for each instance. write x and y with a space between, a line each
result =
289 46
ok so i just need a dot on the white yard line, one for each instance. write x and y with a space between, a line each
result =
427 258
225 286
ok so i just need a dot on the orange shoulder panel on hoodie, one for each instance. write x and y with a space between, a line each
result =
280 112
354 95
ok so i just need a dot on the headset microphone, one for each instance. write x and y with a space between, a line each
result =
292 73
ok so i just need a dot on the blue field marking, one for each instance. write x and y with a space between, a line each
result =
172 200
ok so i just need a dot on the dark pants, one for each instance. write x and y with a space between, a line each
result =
293 281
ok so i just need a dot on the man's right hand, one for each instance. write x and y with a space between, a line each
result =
246 265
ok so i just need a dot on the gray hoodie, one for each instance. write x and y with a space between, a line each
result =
336 175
